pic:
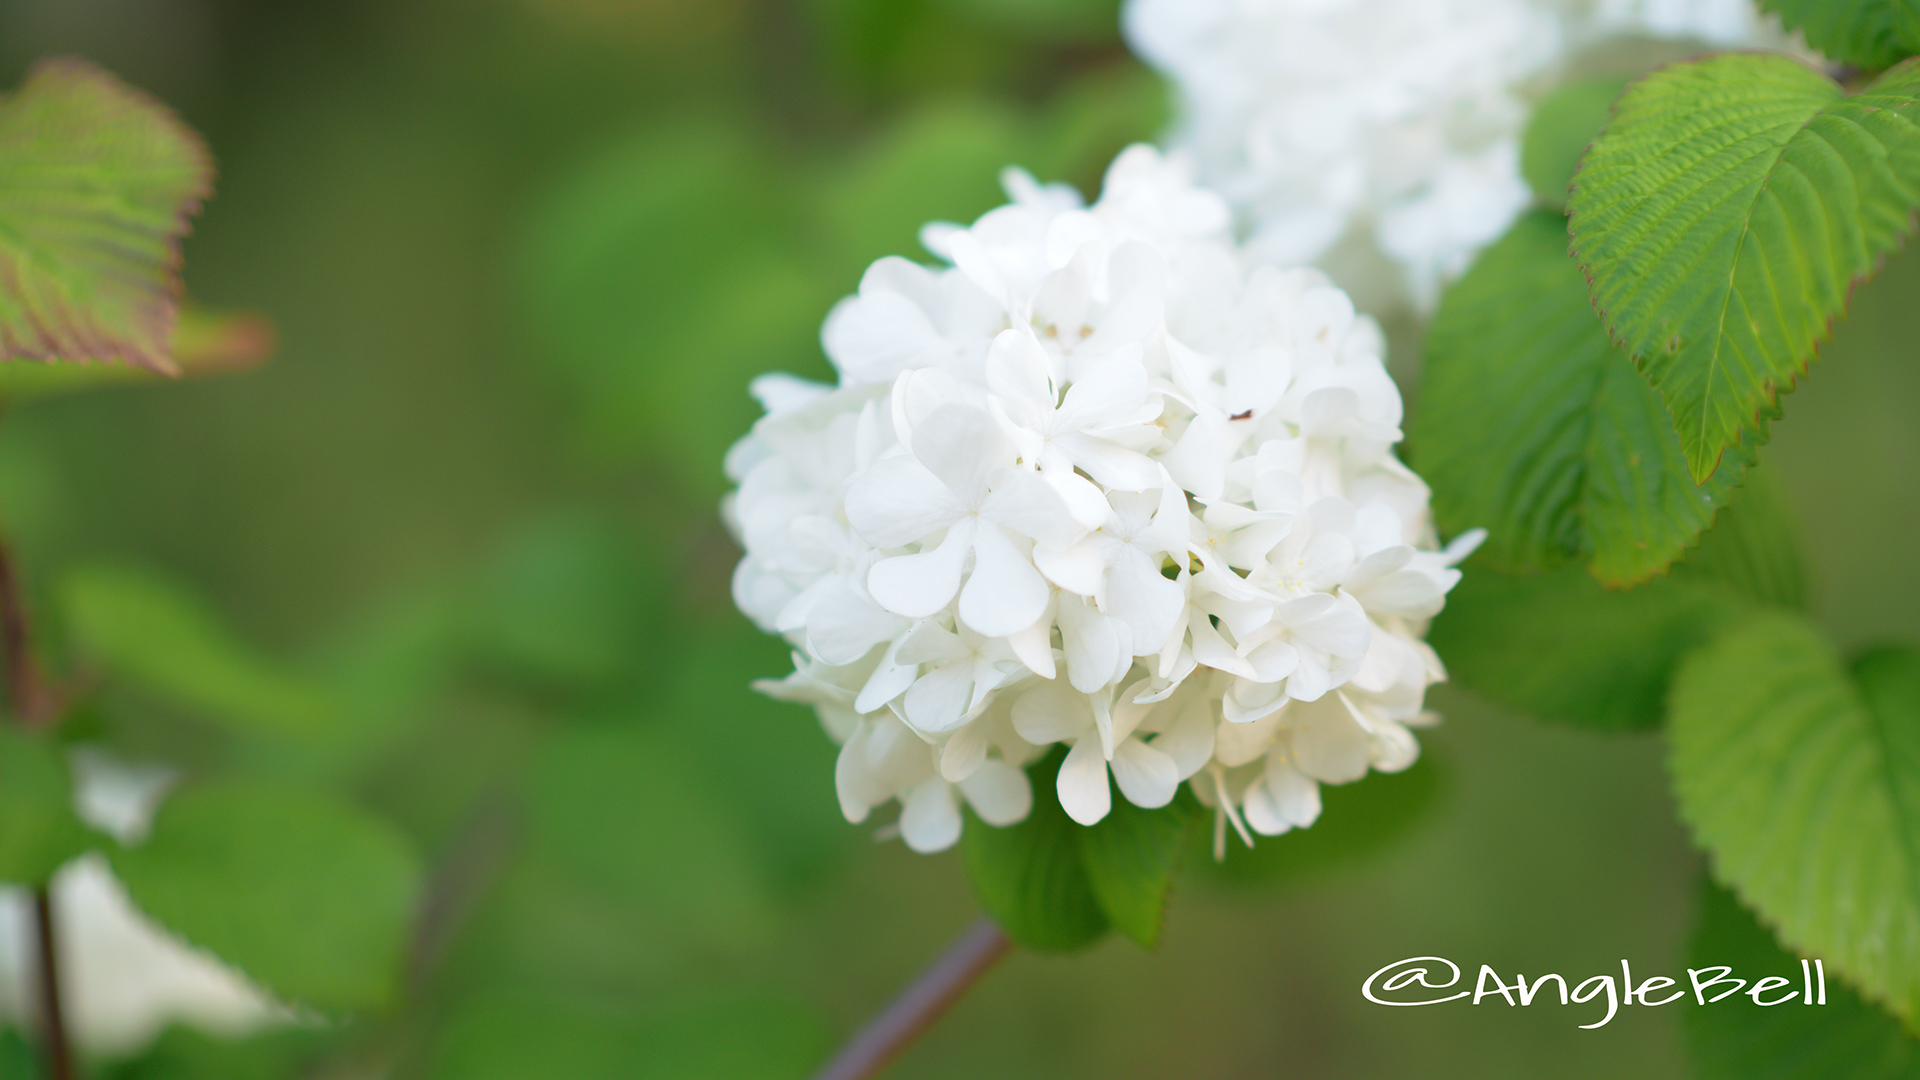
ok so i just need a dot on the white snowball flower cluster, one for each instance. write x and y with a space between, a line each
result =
1100 482
1380 138
126 977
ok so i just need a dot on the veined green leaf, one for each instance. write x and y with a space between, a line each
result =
1532 426
308 895
1753 548
1722 218
1865 33
1737 1039
97 182
1803 784
1029 875
1560 648
151 631
1562 126
1129 857
38 829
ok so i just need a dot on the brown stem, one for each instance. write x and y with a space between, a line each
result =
32 701
58 1053
34 704
915 1010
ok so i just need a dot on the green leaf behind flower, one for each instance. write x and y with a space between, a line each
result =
1562 126
1532 426
1870 34
38 829
308 895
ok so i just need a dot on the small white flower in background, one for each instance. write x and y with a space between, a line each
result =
1379 139
127 978
1105 483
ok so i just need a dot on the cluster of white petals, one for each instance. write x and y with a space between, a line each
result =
125 978
1103 481
1380 139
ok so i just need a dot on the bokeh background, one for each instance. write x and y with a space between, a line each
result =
523 256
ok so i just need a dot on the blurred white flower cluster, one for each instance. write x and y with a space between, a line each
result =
126 978
1380 138
1101 482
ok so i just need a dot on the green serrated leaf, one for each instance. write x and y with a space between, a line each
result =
1561 648
1562 126
1535 428
202 343
1030 876
1753 548
1869 34
1735 1039
1801 787
97 182
148 629
1722 218
308 895
1129 858
38 829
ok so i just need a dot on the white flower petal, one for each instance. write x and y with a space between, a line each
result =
1082 784
1188 741
1005 594
898 501
930 820
919 585
1092 644
1147 777
938 700
1051 713
999 793
964 752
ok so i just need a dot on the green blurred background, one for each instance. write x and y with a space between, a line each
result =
523 256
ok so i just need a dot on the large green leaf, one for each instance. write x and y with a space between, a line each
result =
1029 875
1736 1039
97 182
1865 33
38 829
1559 647
1722 218
1054 884
1803 785
150 630
308 895
1534 427
1562 126
1129 858
1753 548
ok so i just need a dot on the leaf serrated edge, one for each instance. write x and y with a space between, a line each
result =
163 320
1773 390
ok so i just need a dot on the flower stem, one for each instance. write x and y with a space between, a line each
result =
32 703
915 1010
54 1047
35 707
